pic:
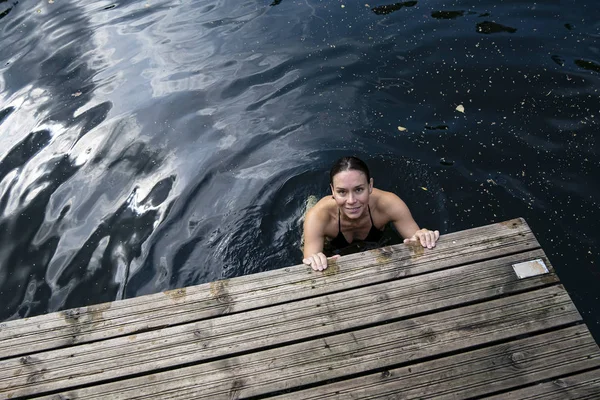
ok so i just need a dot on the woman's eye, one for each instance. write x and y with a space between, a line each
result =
359 190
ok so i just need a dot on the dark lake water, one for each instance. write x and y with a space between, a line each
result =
150 145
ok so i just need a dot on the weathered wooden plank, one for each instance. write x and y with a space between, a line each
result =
190 304
124 356
585 386
476 373
353 352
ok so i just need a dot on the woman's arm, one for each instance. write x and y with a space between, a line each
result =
400 215
314 238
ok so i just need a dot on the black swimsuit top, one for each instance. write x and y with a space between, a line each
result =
339 242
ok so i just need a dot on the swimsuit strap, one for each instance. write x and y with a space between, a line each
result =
372 224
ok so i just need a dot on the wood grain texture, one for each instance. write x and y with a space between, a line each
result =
318 360
397 322
584 386
277 325
186 305
480 372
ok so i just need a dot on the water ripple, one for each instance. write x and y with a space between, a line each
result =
147 146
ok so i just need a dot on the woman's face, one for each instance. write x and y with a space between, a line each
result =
351 192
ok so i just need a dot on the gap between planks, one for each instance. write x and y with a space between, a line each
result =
302 320
191 304
357 352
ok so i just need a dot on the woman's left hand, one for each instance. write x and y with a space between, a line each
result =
426 237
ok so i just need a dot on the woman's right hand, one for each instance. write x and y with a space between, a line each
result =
318 261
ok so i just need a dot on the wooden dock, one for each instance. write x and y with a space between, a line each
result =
401 322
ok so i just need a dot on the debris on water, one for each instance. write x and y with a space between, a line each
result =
76 94
390 8
447 14
401 129
492 182
488 27
558 60
446 162
589 65
424 188
460 108
438 127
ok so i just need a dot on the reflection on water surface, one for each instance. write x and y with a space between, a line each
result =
148 146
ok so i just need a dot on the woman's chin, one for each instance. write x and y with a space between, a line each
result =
353 214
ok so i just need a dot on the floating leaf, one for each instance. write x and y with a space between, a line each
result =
424 188
460 108
401 128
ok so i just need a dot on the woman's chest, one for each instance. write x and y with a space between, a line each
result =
351 232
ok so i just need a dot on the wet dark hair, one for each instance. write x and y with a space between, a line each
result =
348 164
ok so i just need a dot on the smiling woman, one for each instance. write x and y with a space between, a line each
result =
356 213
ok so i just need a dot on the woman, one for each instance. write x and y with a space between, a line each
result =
356 212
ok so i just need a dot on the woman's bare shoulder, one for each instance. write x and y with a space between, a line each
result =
322 210
388 204
384 199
